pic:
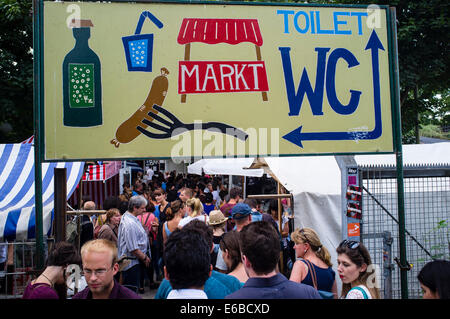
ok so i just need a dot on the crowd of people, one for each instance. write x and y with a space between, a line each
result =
192 238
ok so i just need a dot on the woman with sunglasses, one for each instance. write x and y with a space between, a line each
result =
314 267
356 271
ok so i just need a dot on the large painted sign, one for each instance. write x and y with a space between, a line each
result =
159 80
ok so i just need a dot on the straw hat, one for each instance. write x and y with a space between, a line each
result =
216 217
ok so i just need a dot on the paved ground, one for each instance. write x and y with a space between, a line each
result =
149 294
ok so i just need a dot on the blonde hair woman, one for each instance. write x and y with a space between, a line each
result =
314 267
194 210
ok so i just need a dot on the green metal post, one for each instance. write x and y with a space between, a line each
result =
399 162
37 92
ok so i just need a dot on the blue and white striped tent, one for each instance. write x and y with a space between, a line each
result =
17 189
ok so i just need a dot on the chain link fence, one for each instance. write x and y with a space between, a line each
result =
427 215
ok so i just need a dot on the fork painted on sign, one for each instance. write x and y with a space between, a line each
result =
172 126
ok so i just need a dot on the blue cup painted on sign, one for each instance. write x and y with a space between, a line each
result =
139 47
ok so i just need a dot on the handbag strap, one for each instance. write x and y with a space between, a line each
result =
313 273
112 229
146 220
362 291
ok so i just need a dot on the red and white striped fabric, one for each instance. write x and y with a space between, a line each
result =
102 181
94 173
29 140
97 191
102 172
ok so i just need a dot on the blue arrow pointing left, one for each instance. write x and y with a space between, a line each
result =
296 136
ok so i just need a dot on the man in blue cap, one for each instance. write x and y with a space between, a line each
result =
242 215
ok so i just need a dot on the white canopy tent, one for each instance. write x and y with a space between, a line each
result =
413 154
225 166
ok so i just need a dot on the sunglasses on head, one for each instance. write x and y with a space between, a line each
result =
302 231
352 244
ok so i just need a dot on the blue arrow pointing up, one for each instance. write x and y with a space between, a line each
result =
374 45
296 136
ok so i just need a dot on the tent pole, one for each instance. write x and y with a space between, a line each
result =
80 198
60 198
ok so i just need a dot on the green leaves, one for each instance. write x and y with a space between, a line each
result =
11 9
16 71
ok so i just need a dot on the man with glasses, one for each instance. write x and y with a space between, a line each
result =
132 242
99 259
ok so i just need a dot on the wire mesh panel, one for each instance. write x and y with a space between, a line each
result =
19 269
427 217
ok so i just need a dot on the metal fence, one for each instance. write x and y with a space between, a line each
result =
19 269
427 215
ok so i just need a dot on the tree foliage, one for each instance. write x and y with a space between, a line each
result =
16 71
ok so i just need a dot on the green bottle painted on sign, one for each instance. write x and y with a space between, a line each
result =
82 87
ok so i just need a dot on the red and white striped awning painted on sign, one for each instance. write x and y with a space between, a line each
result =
213 31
